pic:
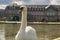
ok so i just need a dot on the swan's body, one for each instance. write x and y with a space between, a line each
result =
25 32
57 38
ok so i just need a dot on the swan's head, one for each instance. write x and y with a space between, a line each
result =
22 7
21 4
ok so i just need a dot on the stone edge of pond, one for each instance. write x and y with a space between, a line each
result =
12 22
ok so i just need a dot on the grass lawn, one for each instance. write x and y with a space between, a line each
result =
43 29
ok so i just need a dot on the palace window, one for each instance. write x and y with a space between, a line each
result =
35 9
58 8
41 9
17 7
51 13
29 9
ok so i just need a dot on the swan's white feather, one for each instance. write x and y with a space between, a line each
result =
30 33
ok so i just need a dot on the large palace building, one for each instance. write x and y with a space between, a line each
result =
35 13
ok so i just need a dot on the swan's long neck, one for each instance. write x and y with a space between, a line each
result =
24 18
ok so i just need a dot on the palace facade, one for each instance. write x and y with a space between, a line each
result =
35 13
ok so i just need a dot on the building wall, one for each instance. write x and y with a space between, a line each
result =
36 13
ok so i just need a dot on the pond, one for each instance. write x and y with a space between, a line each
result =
44 31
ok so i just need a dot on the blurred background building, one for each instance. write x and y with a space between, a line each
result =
35 13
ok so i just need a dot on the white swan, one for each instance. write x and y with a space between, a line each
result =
25 32
57 38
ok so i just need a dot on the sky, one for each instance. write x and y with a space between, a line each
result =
26 1
3 3
35 2
55 2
